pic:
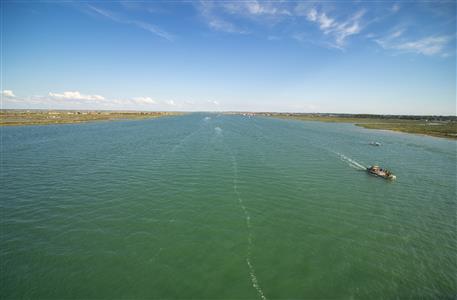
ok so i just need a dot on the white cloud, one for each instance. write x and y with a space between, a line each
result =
348 28
221 16
77 100
312 15
75 96
255 8
432 45
144 100
322 19
266 8
340 31
426 46
8 93
325 22
217 14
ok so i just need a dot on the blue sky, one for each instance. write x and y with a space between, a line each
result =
390 57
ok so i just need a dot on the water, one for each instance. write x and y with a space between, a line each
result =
225 207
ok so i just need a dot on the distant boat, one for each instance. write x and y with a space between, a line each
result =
375 143
377 171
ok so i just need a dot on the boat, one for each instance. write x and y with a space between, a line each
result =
377 171
375 144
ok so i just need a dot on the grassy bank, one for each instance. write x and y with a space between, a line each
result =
47 117
428 125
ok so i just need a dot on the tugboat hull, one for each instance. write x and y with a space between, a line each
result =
376 171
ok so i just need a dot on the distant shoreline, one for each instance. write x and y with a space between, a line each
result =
437 126
15 117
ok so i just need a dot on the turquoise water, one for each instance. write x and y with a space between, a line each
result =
214 206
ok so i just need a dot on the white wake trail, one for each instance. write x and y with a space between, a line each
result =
351 162
184 140
254 280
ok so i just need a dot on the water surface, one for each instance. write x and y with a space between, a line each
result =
216 206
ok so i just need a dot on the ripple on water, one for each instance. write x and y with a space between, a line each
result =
131 209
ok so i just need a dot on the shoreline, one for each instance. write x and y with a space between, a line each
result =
59 117
392 131
446 128
400 131
435 126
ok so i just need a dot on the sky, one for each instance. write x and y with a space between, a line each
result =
378 57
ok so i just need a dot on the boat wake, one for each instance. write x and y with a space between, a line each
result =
351 162
255 282
184 140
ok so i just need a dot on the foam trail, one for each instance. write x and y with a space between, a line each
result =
184 140
350 161
254 280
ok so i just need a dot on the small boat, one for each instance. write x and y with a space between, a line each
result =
375 144
377 171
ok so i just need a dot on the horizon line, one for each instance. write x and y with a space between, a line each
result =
226 111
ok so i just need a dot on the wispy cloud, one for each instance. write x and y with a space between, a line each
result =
219 24
225 16
153 29
218 14
140 24
339 30
207 10
430 45
335 26
256 8
322 19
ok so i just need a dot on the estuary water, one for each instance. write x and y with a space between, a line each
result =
210 206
